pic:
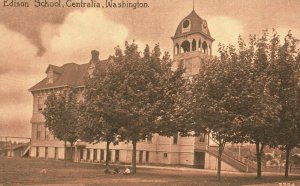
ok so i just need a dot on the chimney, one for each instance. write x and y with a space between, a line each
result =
95 55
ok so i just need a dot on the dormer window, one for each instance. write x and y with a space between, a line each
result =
50 76
204 27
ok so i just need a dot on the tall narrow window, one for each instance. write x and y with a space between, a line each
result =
38 131
147 156
40 104
149 139
141 157
37 153
109 155
117 155
56 153
202 137
175 138
101 154
95 155
50 76
204 46
81 153
46 152
177 49
88 154
194 43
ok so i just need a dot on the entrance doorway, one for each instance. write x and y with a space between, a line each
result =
199 160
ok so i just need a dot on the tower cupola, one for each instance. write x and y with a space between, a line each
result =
192 42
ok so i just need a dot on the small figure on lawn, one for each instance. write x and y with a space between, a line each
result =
116 170
127 171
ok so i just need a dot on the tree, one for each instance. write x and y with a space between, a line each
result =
137 86
233 100
217 91
99 121
61 117
285 68
261 116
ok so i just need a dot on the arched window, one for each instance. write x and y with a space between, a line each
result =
210 52
194 45
177 49
199 45
204 47
186 46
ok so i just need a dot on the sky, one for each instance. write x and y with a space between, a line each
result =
32 38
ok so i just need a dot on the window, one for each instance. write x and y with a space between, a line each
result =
194 45
186 23
46 152
117 155
37 153
109 155
185 46
88 154
147 156
177 49
47 133
141 157
101 154
95 154
165 155
186 26
175 138
149 139
204 46
56 153
202 138
81 153
50 76
38 131
40 104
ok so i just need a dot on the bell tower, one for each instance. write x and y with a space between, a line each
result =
192 43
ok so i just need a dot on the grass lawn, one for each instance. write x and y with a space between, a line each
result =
17 171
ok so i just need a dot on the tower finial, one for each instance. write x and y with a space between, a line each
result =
193 4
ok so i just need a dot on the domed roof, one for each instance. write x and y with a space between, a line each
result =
196 23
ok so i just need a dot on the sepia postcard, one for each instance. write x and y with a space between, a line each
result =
136 118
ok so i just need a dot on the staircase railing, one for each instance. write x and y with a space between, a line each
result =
247 162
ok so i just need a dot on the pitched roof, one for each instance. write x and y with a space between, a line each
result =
196 26
70 74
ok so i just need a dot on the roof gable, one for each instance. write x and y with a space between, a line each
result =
70 75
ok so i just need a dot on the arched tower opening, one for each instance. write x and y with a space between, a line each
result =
186 46
177 49
204 47
194 45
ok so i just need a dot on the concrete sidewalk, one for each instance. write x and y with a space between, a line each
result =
211 171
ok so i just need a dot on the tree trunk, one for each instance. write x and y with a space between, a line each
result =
107 155
220 152
134 156
258 159
71 151
65 154
287 162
